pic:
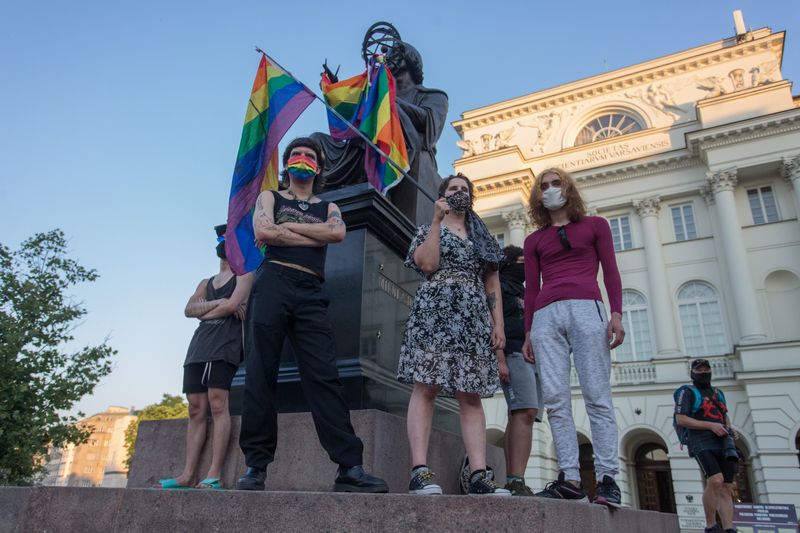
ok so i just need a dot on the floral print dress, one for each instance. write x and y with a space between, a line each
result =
447 340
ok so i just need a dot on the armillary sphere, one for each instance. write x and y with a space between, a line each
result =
381 38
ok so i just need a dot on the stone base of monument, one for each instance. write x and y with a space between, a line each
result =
301 464
71 509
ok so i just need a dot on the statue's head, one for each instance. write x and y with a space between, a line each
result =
408 58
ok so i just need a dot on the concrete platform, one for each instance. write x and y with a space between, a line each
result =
74 509
300 461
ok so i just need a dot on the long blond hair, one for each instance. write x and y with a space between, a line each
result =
575 206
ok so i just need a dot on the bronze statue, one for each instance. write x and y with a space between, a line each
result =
422 113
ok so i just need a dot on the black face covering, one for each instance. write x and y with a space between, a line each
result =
515 271
701 380
458 201
221 250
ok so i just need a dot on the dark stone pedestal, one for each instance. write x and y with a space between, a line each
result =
371 293
300 461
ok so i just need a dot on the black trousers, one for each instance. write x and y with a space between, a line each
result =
286 303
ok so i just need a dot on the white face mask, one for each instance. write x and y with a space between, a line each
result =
553 199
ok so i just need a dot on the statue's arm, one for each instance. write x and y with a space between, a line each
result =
430 116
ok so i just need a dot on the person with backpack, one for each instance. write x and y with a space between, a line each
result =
701 421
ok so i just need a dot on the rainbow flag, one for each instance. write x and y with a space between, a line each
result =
276 101
368 101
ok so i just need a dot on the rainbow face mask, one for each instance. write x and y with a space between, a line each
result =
301 167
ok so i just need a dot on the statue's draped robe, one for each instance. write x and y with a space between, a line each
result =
422 113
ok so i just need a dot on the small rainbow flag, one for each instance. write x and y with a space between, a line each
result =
276 101
368 101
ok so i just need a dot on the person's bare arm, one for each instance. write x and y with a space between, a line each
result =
332 230
197 304
426 256
268 232
494 299
229 306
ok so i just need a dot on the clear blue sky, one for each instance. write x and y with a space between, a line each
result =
119 122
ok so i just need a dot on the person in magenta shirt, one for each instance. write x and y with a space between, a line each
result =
565 314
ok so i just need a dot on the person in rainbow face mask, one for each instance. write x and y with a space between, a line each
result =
287 302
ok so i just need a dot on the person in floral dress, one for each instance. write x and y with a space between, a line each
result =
453 330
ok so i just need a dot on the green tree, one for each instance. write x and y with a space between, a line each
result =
169 407
40 376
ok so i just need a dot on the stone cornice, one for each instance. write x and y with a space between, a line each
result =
636 75
521 181
516 219
637 168
744 130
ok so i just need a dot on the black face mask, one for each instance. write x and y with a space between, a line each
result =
458 201
515 271
701 380
221 250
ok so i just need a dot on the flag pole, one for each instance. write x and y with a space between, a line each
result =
353 128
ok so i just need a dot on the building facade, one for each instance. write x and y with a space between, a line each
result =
694 159
98 462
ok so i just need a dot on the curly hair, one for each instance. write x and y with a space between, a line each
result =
446 183
575 206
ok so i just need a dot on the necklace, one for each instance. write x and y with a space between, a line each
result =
302 204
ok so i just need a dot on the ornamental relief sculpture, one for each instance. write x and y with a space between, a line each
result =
648 207
790 169
545 127
723 180
487 142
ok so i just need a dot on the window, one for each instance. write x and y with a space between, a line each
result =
701 320
637 345
621 233
683 222
607 126
501 239
762 205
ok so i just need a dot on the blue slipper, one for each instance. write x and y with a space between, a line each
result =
171 484
213 483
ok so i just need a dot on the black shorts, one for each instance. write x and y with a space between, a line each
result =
199 377
713 462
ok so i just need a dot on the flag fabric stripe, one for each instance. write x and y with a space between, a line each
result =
276 100
368 101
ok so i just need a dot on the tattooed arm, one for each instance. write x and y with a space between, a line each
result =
236 303
494 300
332 230
268 232
197 304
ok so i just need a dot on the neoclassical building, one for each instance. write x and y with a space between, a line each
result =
694 159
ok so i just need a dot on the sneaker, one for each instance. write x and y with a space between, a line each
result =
422 482
517 487
716 528
563 490
466 472
481 483
608 492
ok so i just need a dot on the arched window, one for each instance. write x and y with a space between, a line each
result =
637 345
742 493
654 478
701 319
607 125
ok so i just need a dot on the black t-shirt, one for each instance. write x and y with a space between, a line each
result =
513 312
712 409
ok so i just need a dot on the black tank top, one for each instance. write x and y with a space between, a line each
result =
219 339
311 257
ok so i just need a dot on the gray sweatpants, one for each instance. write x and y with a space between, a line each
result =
580 327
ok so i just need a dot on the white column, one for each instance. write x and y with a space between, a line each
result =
745 302
517 222
791 171
666 336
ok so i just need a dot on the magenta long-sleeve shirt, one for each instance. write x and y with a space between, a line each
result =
553 273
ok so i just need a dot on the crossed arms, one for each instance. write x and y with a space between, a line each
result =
199 307
295 233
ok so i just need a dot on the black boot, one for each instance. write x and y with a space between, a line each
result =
354 479
253 479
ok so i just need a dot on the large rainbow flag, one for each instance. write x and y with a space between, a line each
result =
368 101
276 101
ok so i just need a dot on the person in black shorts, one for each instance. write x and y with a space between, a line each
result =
288 303
710 443
212 359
